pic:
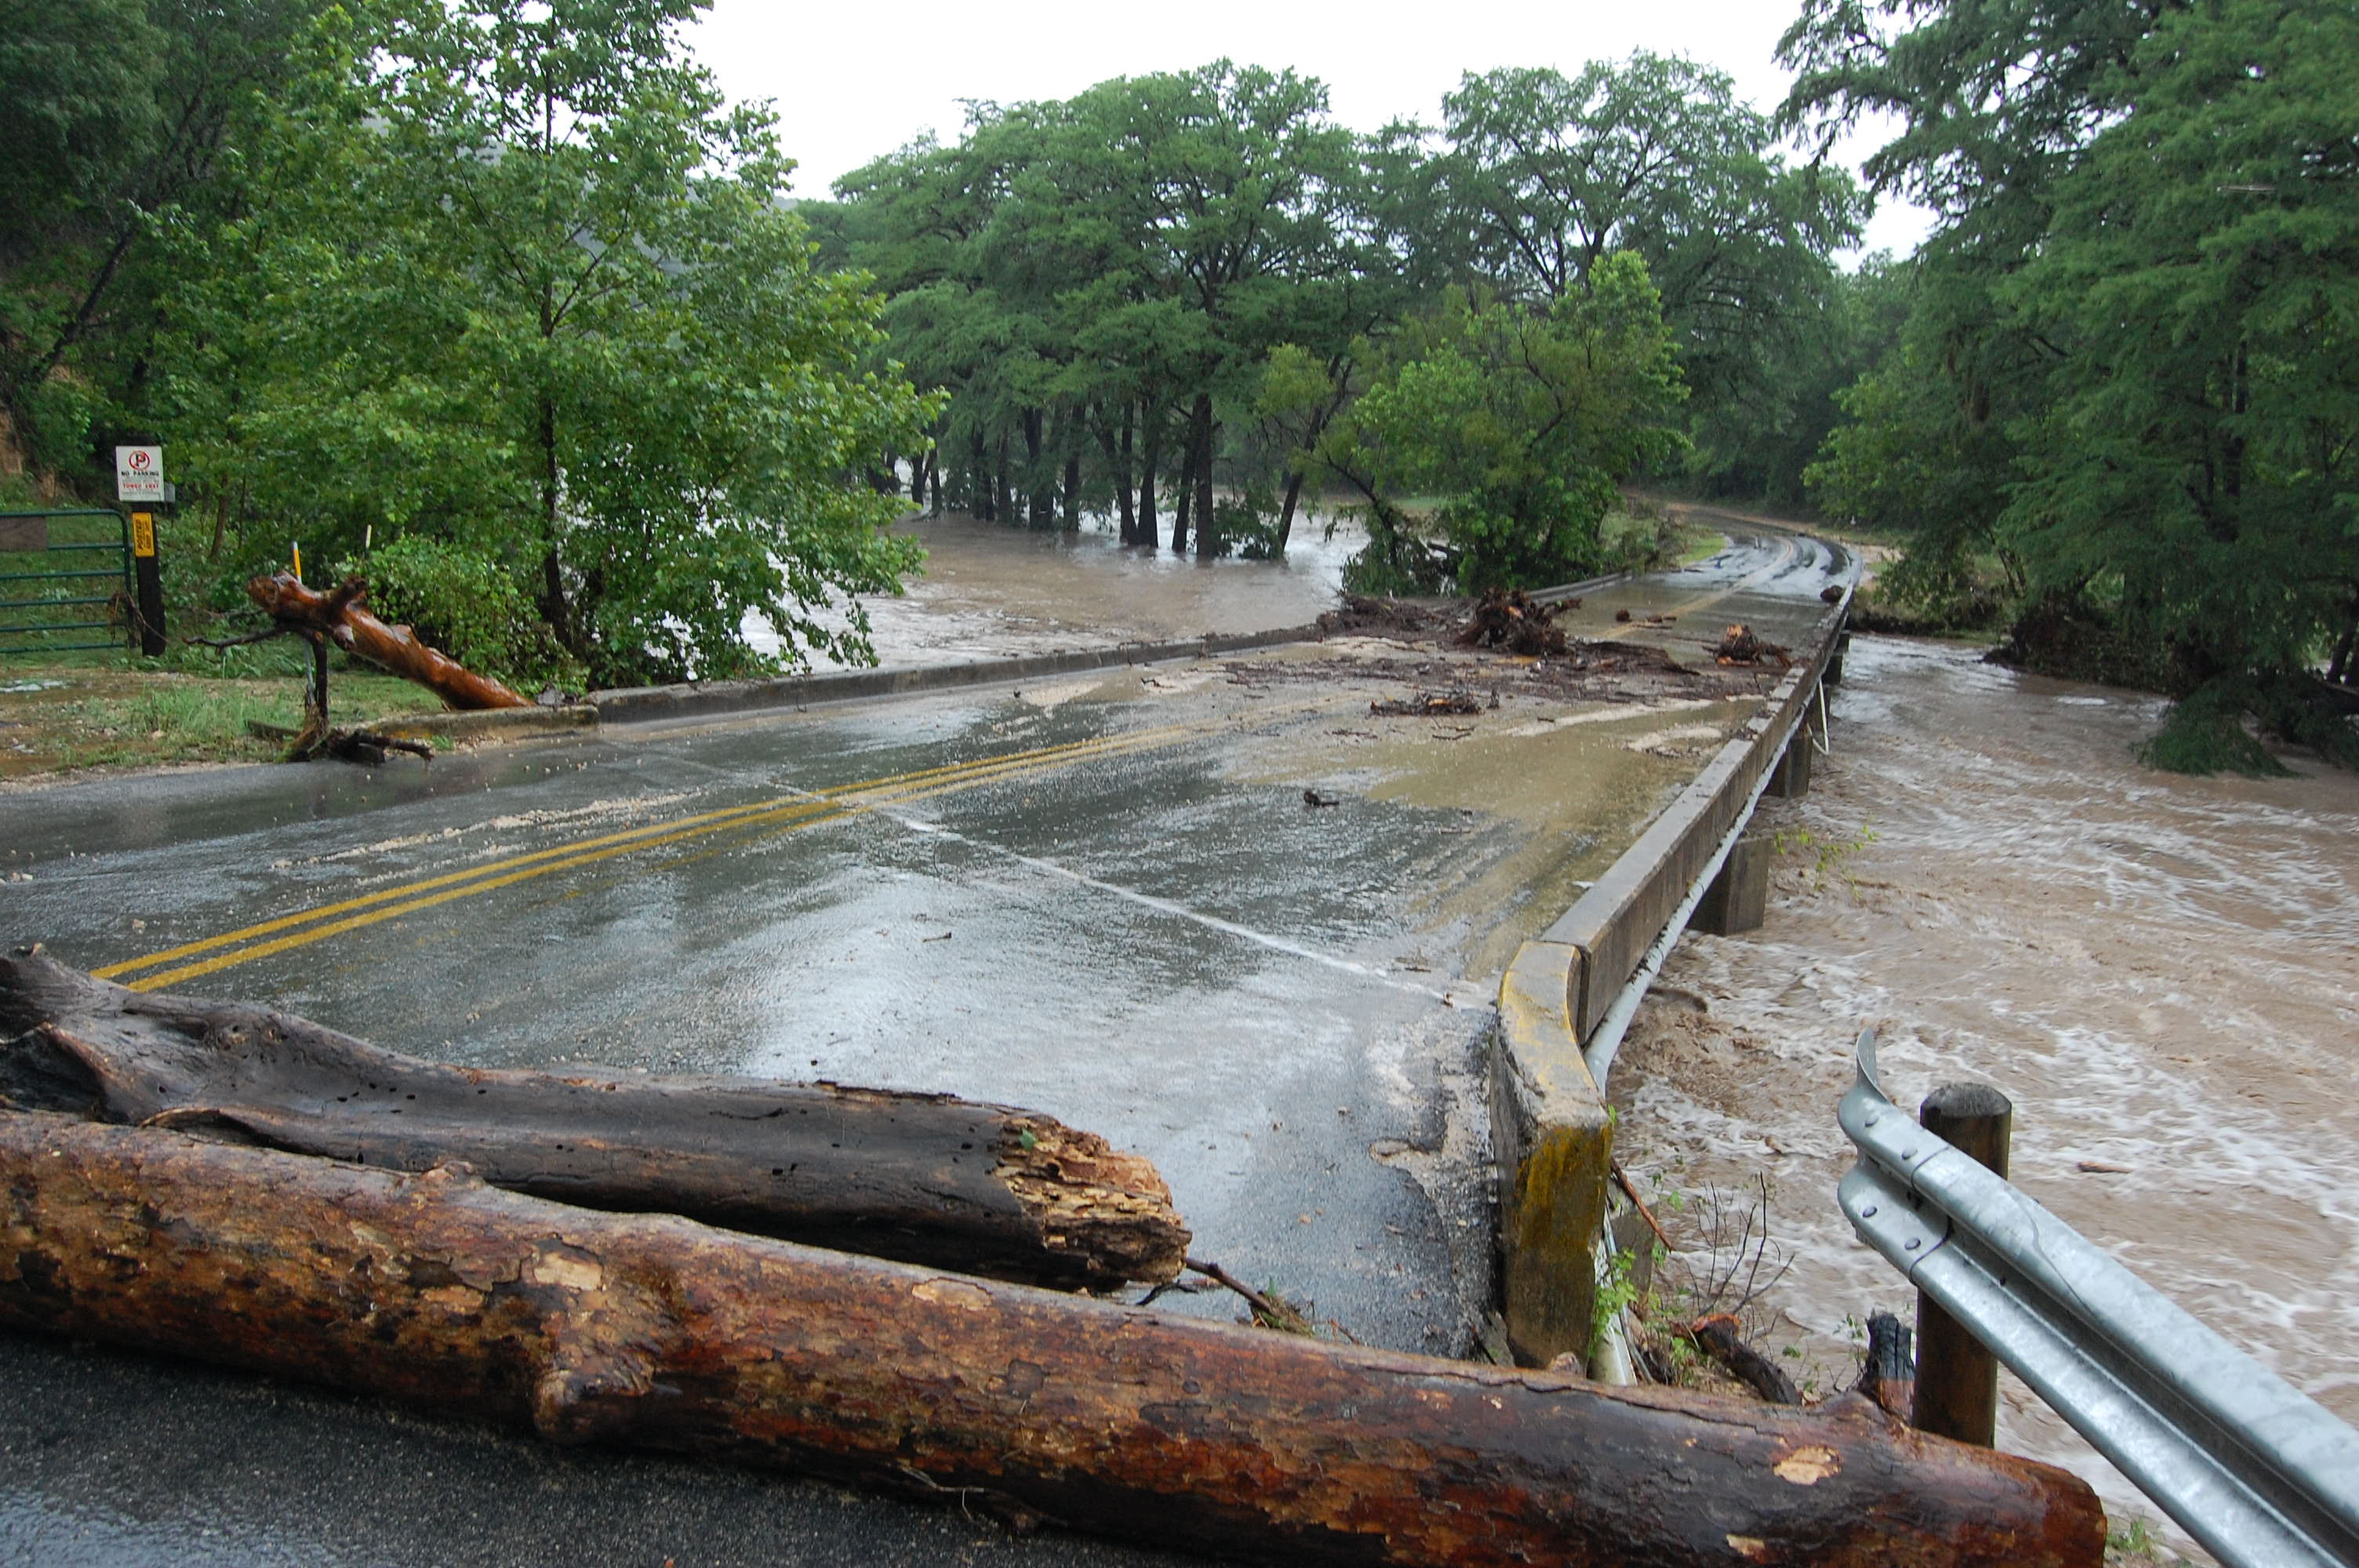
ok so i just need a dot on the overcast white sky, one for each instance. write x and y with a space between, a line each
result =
852 80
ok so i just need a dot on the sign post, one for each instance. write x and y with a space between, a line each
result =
139 477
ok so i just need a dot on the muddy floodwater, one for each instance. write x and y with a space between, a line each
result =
2161 972
989 589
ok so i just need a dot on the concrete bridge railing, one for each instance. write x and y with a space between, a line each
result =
1553 1133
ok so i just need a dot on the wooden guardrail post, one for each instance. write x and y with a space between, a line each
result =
1957 1380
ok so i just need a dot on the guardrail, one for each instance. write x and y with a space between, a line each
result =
2258 1473
1552 1133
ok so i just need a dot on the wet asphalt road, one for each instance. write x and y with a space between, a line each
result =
1104 900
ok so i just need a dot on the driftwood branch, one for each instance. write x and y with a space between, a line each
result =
1720 1336
651 1330
981 1188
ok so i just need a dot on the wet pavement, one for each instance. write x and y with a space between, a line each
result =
1102 898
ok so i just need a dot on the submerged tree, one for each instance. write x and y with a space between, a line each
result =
508 276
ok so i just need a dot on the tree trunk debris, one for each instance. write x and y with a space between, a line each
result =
338 615
1740 644
441 1291
1889 1378
1429 704
928 1179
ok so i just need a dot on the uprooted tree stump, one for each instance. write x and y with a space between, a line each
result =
1508 618
983 1189
652 1330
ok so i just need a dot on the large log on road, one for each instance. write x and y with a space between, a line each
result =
983 1189
338 616
652 1330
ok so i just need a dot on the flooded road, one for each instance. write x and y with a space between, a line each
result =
2161 972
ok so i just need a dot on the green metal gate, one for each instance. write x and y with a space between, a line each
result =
53 566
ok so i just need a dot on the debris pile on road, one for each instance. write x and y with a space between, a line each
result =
1507 618
1431 704
1361 616
1741 645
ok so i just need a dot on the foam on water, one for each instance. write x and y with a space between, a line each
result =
2163 973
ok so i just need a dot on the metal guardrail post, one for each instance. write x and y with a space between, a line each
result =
2255 1470
1957 1380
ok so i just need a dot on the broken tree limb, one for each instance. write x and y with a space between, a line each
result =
983 1189
338 615
1722 1337
653 1331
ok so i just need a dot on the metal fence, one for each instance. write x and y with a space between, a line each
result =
60 573
2259 1474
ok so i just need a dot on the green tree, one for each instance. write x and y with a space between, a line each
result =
2203 263
1098 281
1549 175
113 114
1521 422
509 276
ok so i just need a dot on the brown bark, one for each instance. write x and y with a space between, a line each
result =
339 616
1184 504
924 1178
1889 1374
441 1291
1208 531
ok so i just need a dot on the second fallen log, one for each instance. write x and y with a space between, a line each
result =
653 1330
984 1189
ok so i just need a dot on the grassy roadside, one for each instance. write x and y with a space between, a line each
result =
111 712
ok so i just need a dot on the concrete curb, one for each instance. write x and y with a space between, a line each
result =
653 704
1553 1133
492 723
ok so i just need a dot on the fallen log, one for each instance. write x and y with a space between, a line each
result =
339 616
983 1189
651 1330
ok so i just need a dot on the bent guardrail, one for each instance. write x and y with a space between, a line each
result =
2261 1474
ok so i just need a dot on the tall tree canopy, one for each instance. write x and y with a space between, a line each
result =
507 277
1547 175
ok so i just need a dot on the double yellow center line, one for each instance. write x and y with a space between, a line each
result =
784 812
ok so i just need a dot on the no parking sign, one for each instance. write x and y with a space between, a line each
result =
139 474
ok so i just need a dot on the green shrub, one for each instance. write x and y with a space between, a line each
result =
469 607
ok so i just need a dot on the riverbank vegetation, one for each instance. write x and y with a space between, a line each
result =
499 302
2123 405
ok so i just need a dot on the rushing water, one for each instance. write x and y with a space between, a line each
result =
2162 972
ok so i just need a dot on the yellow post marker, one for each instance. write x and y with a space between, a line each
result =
148 579
298 560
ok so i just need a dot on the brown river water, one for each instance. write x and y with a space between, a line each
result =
2161 972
